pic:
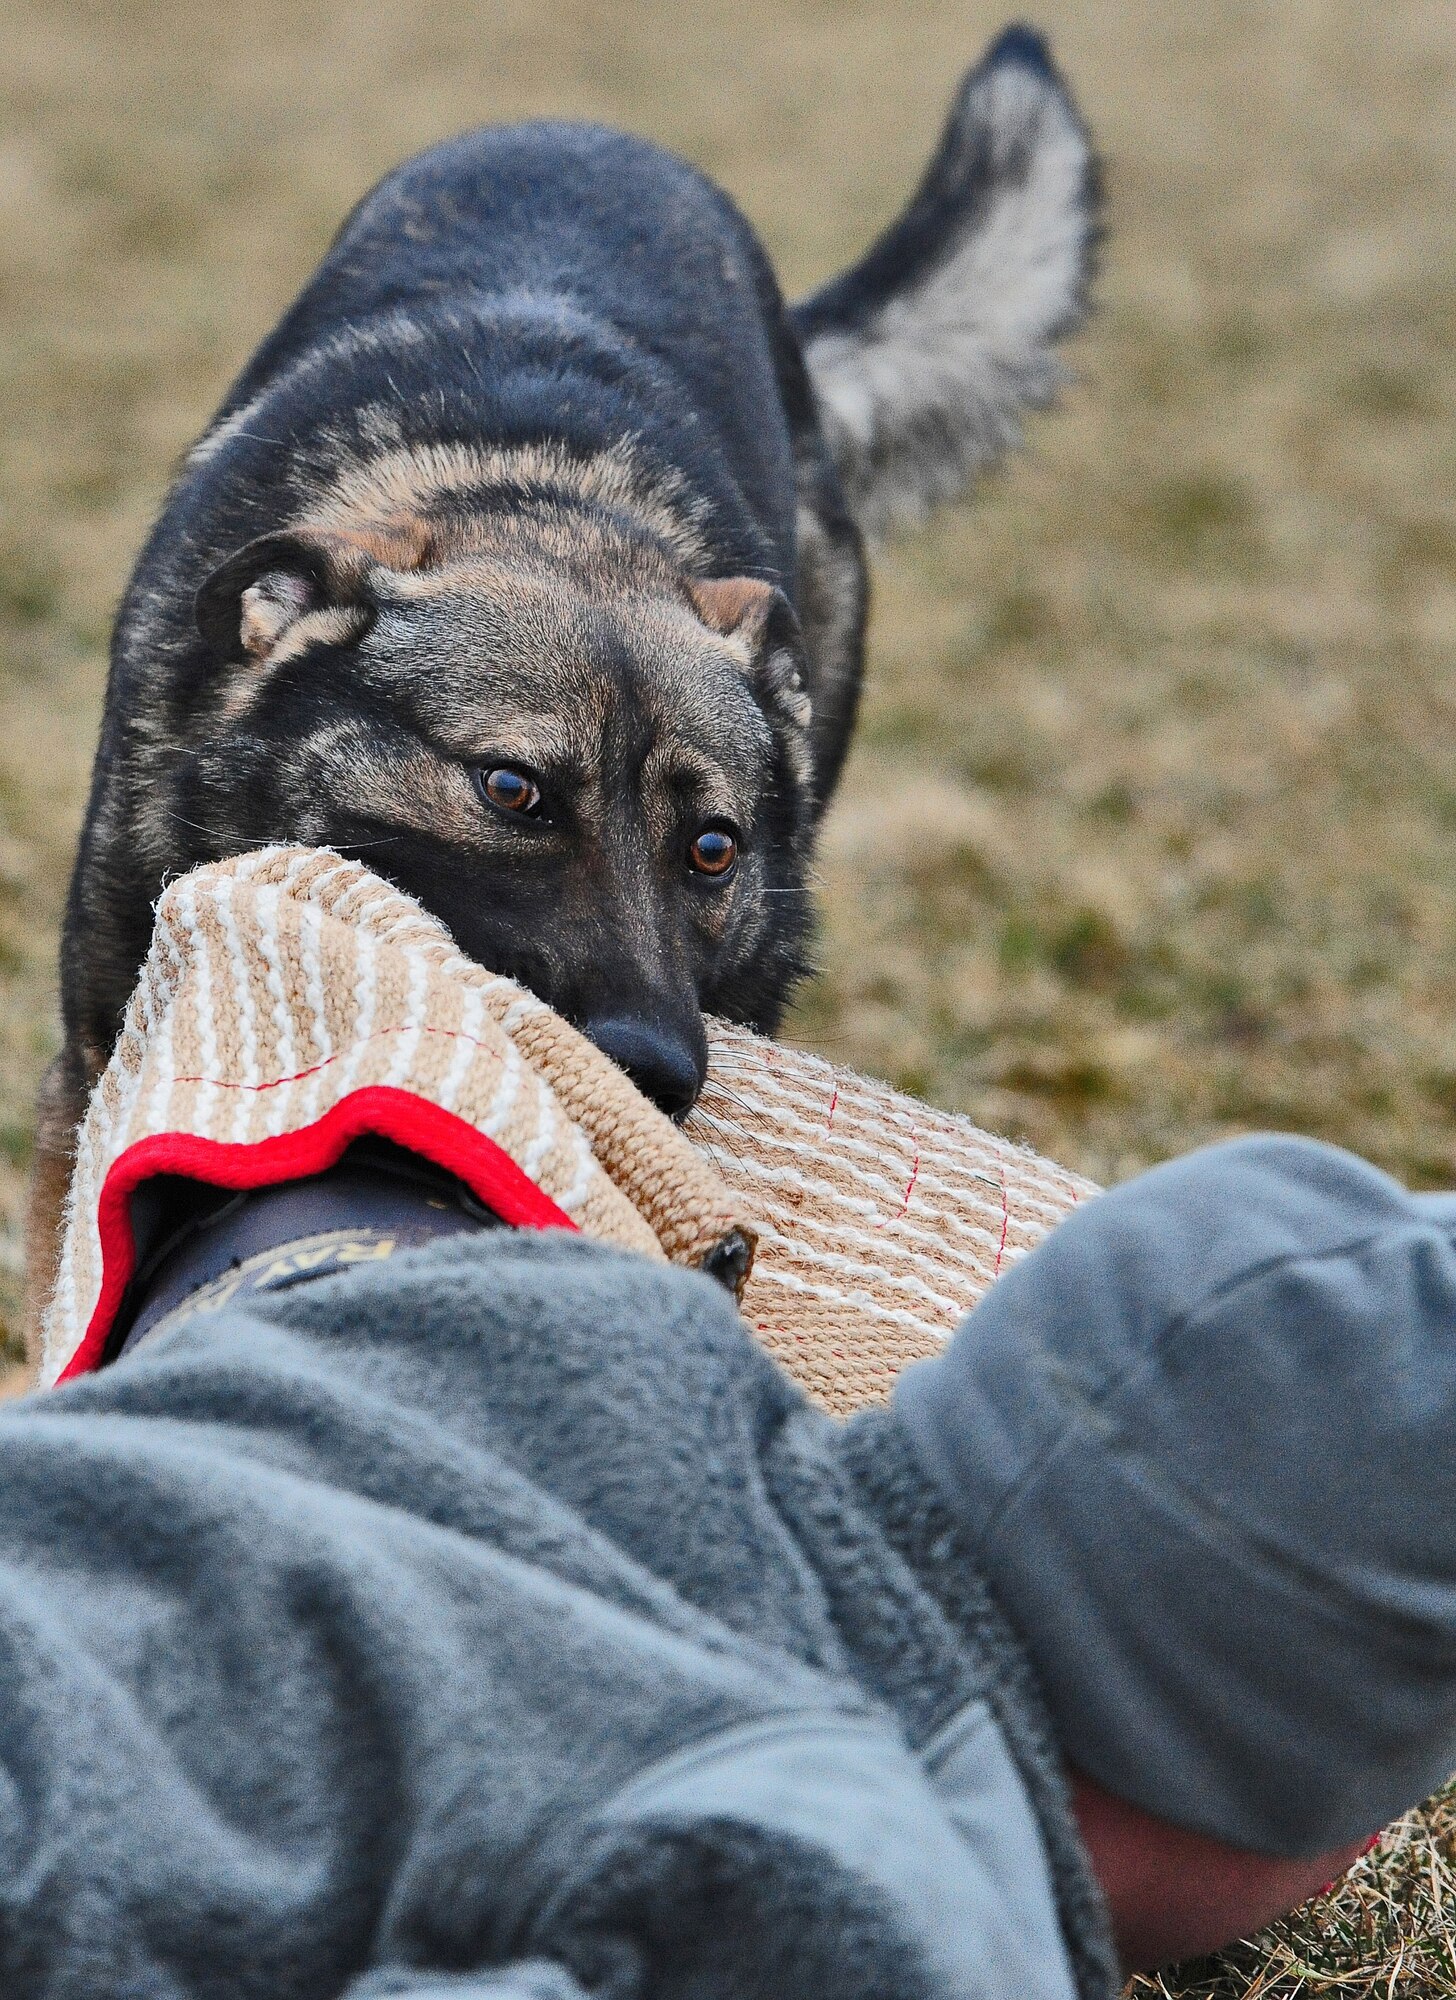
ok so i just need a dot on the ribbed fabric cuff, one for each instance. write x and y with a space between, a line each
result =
897 1490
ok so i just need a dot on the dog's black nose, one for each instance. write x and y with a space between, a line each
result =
665 1065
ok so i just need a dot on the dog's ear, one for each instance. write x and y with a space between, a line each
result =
260 596
764 629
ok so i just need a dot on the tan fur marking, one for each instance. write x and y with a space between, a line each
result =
735 606
421 792
389 494
265 616
405 543
738 607
335 625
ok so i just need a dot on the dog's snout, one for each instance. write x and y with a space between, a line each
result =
666 1064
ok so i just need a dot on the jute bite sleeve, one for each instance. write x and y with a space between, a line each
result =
881 1221
292 1002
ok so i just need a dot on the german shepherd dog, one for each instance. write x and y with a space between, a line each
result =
525 561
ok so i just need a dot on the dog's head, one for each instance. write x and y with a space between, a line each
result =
591 766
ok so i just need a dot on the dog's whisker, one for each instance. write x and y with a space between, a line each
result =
724 1091
227 840
719 1139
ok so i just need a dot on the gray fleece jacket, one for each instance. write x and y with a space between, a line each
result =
500 1621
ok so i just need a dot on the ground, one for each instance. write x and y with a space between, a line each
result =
1149 836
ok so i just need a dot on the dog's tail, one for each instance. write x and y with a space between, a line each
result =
925 353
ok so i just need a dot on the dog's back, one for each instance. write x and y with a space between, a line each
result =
561 281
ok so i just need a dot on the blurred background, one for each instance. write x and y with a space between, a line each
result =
1150 834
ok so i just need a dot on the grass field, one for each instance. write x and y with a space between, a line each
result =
1150 832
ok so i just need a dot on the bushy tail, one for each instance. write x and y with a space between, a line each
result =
926 352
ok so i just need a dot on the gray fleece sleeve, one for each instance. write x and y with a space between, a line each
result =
312 1682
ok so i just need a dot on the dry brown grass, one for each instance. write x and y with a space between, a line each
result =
1149 834
1387 1929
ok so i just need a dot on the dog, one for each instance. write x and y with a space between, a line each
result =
525 560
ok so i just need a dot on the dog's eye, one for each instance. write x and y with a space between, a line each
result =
714 851
511 790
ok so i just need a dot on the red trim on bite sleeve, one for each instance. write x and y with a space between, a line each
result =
379 1110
